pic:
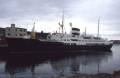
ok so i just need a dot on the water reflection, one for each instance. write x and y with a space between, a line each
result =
89 64
30 66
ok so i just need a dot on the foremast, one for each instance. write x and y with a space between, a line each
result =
62 23
33 34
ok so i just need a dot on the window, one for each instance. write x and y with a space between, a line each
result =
8 29
68 40
20 34
24 30
74 40
73 43
8 34
21 30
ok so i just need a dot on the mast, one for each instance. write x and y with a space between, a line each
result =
33 32
62 22
85 31
98 26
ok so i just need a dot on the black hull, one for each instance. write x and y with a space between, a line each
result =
18 44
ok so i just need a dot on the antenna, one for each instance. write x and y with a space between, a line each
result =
98 26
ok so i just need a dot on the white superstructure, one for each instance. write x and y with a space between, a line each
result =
76 39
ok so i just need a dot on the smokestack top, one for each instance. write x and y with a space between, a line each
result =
12 25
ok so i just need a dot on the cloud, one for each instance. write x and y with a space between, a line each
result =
18 8
78 11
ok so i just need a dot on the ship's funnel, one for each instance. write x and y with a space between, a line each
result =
75 31
12 25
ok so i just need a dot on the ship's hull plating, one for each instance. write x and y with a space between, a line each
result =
18 44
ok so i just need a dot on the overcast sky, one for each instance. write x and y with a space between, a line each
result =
47 14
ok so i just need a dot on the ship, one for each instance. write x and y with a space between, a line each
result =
61 41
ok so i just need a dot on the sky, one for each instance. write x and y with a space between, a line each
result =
48 13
